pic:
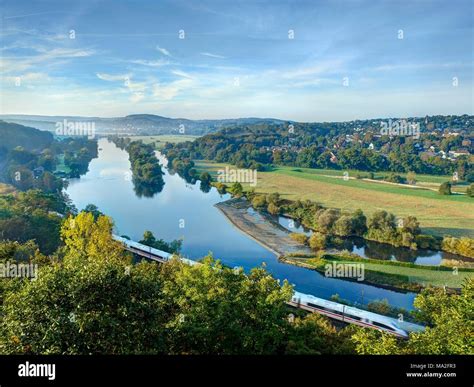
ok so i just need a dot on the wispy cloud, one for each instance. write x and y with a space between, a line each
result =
41 58
170 90
113 77
418 66
141 65
164 51
213 55
27 78
152 63
312 70
183 74
137 97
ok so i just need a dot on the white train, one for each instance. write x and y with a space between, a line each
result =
353 315
307 302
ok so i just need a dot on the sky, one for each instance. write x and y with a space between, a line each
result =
295 60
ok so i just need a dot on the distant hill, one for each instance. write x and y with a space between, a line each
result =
13 135
142 124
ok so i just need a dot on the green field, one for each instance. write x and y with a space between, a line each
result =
61 167
438 214
393 274
161 140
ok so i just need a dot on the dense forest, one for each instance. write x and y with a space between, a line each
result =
356 145
31 158
147 175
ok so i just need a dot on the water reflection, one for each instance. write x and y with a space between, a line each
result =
183 211
376 250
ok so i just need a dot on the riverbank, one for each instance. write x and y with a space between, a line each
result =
439 215
266 232
391 275
399 276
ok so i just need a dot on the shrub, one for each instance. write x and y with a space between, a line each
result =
470 190
445 188
300 238
325 220
273 209
343 226
462 246
318 241
426 242
259 202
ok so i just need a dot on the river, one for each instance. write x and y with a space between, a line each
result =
375 250
182 210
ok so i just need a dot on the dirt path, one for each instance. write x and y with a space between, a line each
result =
268 233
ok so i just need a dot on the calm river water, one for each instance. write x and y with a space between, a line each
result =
182 210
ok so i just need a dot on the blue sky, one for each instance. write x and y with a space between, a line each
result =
298 60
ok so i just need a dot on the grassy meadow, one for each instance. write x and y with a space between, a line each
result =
162 139
438 214
393 273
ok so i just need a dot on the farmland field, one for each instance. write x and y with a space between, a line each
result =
438 214
160 140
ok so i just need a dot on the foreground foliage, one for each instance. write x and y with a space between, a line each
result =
89 298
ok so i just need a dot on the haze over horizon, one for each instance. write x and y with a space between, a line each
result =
303 61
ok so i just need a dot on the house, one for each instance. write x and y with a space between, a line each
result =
458 152
468 142
38 172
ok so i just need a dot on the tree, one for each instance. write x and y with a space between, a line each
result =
259 202
273 209
273 198
450 319
359 223
411 177
463 246
32 215
300 238
172 247
445 188
93 305
221 188
236 189
87 239
205 178
98 308
411 225
315 334
470 190
214 309
343 226
94 210
318 241
325 220
383 223
148 238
